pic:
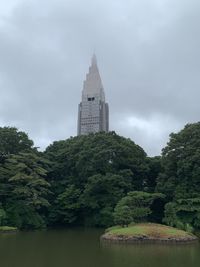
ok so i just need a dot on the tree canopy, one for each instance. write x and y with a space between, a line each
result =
100 169
137 204
13 141
23 190
98 180
181 163
180 177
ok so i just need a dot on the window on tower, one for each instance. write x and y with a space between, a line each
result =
91 98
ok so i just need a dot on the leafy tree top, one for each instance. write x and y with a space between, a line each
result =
84 156
13 141
181 163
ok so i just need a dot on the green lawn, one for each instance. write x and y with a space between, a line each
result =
148 229
7 229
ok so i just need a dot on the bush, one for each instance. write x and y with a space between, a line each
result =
122 215
135 207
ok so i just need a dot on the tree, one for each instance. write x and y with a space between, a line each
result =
139 204
153 171
101 194
2 216
81 157
66 207
102 167
122 215
13 141
181 164
179 178
25 202
183 213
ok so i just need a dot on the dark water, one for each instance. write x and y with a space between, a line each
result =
81 248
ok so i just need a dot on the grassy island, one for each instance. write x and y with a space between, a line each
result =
7 229
148 232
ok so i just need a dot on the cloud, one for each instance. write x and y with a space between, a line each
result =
148 55
151 133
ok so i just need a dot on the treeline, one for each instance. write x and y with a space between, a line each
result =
99 180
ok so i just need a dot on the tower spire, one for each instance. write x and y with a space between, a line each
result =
94 59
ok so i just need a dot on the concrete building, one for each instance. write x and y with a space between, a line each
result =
93 111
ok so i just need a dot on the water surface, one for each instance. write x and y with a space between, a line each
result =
81 248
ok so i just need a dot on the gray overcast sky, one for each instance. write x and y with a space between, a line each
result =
148 54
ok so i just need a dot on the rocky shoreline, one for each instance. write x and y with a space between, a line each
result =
147 239
8 229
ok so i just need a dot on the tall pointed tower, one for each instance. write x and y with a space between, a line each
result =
93 112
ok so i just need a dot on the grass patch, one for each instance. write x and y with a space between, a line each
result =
149 230
112 228
7 229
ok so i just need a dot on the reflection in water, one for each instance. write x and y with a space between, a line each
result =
81 248
154 255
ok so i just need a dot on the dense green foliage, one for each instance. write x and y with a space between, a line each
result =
23 187
135 207
13 141
122 215
181 164
24 190
180 178
183 213
90 174
99 179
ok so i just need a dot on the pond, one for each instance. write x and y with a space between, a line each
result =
82 248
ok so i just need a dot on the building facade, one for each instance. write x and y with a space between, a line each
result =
93 111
